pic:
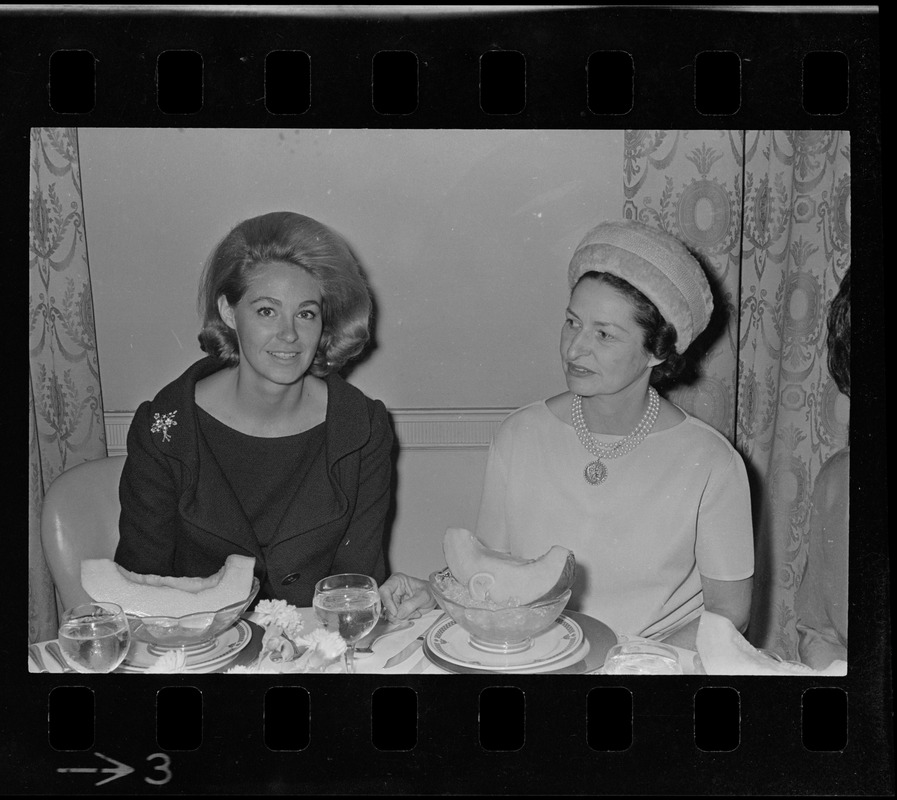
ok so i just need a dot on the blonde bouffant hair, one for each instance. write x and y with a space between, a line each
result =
287 237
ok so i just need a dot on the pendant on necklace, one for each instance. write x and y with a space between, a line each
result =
595 472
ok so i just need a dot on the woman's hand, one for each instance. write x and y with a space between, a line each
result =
405 597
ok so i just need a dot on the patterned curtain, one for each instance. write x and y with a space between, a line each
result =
66 406
768 213
689 184
791 415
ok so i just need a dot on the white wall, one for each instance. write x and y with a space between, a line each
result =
465 237
437 489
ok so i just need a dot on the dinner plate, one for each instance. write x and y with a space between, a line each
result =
597 640
576 656
206 657
451 643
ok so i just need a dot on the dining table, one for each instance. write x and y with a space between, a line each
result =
419 643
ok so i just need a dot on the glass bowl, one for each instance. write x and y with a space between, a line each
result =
491 628
190 629
642 658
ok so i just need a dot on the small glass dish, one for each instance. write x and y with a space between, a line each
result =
496 629
776 657
190 629
642 658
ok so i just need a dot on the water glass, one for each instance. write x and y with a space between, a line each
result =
94 637
350 604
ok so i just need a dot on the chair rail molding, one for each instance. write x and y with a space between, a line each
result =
416 428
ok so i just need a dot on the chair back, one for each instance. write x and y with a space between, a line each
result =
79 519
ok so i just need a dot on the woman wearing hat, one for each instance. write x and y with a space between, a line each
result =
654 503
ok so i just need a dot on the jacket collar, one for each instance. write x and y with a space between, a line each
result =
345 404
204 504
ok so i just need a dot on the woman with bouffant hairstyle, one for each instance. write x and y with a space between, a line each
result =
299 240
261 448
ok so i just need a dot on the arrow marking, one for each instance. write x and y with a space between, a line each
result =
119 770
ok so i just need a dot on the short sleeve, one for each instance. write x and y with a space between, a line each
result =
724 548
492 528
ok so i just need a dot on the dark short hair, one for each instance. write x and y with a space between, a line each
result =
286 237
839 336
658 335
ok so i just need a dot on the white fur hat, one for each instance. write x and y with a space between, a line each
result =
655 263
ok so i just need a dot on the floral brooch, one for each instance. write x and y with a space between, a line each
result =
163 423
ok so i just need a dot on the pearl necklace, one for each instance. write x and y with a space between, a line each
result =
596 472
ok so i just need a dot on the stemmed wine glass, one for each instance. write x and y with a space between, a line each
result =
349 603
94 637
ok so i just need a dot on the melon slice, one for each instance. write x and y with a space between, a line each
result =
505 578
158 596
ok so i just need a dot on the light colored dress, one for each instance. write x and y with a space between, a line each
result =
675 508
821 600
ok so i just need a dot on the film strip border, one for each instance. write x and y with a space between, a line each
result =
567 67
397 82
554 68
220 737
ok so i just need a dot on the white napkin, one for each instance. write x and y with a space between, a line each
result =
724 651
395 643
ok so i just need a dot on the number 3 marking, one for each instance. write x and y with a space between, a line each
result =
166 761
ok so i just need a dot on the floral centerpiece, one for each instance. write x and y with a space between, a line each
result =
285 645
285 648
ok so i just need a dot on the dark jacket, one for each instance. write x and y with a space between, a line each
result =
179 515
